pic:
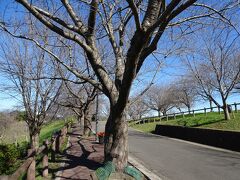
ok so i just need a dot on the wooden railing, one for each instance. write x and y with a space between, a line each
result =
182 114
29 165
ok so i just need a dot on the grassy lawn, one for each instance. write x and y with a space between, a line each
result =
212 120
49 129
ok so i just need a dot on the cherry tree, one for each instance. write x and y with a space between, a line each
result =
130 31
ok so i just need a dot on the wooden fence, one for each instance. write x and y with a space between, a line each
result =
29 165
234 108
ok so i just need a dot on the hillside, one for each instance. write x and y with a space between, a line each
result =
212 120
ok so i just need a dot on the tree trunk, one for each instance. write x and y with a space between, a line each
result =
164 113
87 122
226 112
179 109
87 127
159 114
34 140
211 107
82 120
79 120
116 139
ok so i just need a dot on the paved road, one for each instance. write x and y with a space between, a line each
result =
175 160
183 161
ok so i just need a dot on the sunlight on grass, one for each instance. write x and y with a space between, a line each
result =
212 120
49 129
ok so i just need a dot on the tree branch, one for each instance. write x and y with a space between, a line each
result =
54 28
134 9
77 74
74 16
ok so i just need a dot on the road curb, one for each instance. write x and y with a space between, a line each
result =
146 172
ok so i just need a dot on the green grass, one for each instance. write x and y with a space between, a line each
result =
49 129
148 127
46 132
52 166
212 120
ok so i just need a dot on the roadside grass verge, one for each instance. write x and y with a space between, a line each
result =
212 120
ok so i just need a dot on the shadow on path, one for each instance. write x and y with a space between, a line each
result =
82 157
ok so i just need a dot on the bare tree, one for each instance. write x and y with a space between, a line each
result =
160 99
137 108
23 65
216 66
112 24
205 96
80 99
183 93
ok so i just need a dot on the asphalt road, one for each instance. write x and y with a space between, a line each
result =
179 160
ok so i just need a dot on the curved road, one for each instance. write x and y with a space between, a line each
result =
179 160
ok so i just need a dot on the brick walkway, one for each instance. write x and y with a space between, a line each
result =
81 158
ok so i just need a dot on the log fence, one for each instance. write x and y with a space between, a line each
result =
29 165
234 107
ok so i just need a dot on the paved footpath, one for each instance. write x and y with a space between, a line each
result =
82 157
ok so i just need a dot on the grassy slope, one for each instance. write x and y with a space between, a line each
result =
50 128
212 120
46 132
18 131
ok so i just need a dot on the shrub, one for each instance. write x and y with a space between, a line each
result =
9 156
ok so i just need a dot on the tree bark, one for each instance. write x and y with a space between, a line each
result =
116 139
164 112
34 140
210 103
159 114
87 127
87 122
226 112
81 118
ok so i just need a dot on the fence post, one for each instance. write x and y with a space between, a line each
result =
219 110
193 113
235 105
59 140
174 116
205 111
45 160
32 168
53 148
167 117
